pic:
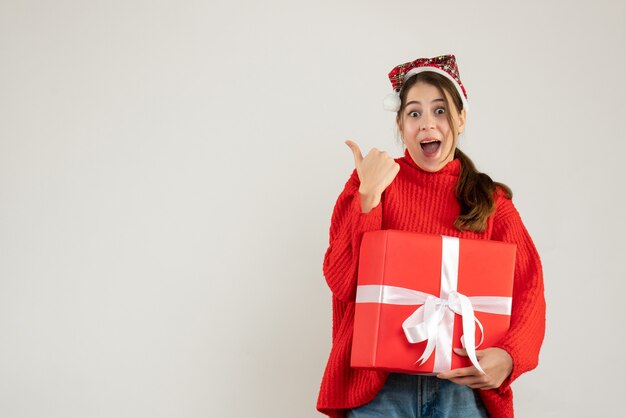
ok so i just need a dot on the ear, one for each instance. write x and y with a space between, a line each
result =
462 117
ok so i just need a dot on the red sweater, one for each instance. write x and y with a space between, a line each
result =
425 202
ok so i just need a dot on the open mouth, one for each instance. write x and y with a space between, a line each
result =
430 147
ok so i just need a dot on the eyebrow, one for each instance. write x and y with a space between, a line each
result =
415 101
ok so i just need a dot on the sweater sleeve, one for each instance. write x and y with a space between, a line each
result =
528 315
347 226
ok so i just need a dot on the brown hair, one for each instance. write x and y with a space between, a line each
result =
474 190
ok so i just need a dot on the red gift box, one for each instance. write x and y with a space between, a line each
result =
421 295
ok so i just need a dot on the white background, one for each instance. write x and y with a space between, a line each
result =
168 171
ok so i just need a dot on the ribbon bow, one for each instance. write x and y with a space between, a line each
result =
423 324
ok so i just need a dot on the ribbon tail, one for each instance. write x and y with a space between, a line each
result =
468 318
482 333
433 316
430 346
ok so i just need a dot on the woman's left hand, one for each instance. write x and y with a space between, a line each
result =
496 363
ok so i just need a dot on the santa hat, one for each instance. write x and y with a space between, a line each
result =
443 64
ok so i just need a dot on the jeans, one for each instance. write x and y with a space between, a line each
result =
418 396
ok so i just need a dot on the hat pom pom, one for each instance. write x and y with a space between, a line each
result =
392 102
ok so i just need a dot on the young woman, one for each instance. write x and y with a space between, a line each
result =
434 188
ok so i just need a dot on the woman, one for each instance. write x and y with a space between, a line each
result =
434 188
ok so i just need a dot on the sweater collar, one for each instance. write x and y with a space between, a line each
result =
453 168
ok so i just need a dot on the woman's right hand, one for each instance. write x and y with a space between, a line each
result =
376 172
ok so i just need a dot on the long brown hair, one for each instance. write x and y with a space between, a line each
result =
474 190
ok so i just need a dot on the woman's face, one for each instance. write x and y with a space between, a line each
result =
425 129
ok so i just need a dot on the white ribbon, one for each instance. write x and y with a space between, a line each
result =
433 322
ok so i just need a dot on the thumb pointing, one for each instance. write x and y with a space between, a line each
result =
356 151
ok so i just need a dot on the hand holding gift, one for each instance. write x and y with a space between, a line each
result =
496 363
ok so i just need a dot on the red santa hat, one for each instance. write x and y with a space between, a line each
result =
443 64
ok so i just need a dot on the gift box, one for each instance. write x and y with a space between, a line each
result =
421 295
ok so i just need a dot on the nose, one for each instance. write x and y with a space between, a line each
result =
428 122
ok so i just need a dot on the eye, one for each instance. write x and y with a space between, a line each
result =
440 111
414 114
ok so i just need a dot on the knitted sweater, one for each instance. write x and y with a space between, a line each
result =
425 202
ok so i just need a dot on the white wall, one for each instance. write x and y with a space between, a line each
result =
168 171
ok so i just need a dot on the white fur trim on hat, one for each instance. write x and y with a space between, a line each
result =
418 70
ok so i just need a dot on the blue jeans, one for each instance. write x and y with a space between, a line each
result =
417 396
